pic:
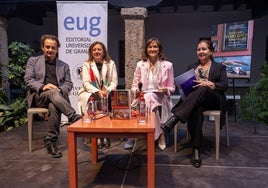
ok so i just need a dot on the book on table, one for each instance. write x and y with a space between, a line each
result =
121 104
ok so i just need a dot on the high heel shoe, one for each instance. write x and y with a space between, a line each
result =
106 142
129 144
100 143
170 124
162 142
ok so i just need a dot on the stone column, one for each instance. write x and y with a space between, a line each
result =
4 54
134 39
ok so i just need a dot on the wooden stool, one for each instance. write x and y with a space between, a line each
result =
216 115
30 113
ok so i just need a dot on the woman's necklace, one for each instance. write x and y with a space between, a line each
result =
203 70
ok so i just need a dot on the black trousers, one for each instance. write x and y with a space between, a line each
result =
191 109
57 103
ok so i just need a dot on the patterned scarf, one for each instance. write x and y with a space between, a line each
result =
93 78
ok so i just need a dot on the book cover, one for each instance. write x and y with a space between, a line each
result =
121 108
184 82
235 36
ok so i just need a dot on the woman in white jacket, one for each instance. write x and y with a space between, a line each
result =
99 77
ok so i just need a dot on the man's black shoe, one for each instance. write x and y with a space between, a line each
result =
54 150
75 118
170 124
196 160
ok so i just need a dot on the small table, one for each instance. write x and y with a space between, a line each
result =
110 128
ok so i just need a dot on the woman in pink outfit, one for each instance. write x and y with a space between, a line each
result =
156 76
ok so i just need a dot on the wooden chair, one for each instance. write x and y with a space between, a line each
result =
216 115
30 113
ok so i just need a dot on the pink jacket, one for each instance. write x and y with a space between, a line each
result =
164 77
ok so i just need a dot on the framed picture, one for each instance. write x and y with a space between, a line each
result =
236 66
215 45
235 36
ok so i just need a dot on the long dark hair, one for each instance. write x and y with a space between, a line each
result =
145 55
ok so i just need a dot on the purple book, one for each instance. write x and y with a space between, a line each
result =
184 82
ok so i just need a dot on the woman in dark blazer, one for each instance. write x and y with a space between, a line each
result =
208 94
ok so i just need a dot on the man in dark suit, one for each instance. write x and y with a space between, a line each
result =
49 82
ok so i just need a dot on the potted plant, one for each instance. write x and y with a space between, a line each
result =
14 113
254 105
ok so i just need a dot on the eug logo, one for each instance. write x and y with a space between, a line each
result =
76 77
76 72
90 24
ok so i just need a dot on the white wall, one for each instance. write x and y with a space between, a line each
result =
178 32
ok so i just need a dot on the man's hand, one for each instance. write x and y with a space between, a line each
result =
50 86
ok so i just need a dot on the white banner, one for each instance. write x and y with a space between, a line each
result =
79 24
